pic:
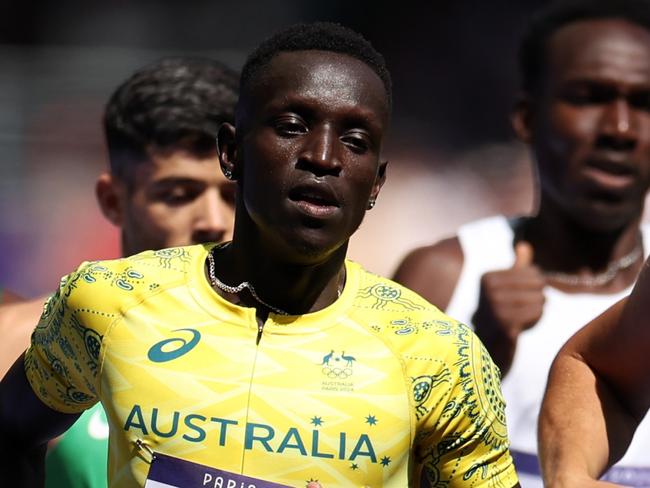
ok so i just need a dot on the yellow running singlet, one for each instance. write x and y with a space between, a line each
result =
369 391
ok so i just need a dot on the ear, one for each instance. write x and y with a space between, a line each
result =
227 150
380 179
110 194
521 118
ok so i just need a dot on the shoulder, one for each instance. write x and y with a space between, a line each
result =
89 302
433 271
416 329
383 294
435 349
116 284
404 318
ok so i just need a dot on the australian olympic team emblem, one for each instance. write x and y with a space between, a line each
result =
337 365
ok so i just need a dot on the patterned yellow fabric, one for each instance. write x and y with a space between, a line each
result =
367 392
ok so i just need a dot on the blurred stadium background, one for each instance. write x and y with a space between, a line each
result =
452 155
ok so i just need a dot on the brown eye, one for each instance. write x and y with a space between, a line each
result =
177 195
357 141
640 101
290 126
589 94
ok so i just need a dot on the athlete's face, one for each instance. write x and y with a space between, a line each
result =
308 149
591 125
176 199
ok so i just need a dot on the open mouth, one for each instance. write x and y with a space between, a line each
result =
317 200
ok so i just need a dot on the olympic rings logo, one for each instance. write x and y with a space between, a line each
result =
337 372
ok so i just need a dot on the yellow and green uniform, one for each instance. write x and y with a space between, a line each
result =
366 392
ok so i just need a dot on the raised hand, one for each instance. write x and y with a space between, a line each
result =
510 301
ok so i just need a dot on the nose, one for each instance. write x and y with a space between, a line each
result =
320 151
214 218
619 128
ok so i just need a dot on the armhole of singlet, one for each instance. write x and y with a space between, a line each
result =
496 230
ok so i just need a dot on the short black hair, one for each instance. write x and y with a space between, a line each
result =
532 51
317 36
173 102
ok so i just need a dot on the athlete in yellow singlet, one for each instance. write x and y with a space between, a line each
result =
363 392
273 361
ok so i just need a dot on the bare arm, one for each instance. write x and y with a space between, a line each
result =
598 392
24 461
433 271
17 321
26 424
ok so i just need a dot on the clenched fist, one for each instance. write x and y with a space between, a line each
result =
510 301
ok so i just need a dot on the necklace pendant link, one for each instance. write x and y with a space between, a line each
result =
215 282
600 279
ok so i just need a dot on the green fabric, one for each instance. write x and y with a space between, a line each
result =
79 459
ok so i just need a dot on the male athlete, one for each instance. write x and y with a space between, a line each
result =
528 284
597 395
164 188
272 360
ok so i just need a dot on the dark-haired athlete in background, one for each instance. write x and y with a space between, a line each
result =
164 188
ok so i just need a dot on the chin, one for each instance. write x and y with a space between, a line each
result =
308 250
606 217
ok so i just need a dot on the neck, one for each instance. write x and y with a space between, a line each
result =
295 288
126 248
562 245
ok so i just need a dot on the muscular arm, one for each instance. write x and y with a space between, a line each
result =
17 321
598 392
26 424
433 271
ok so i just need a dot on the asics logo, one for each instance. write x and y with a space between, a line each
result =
158 353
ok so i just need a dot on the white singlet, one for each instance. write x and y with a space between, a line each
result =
487 246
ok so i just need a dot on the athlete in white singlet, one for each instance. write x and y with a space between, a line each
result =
585 112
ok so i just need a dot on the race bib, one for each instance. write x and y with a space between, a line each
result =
170 472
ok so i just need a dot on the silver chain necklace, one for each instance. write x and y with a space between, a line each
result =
600 279
214 281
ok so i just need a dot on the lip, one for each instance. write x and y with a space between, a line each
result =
611 173
315 198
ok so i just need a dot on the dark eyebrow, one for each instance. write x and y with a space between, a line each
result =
307 108
604 84
177 181
366 118
587 82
